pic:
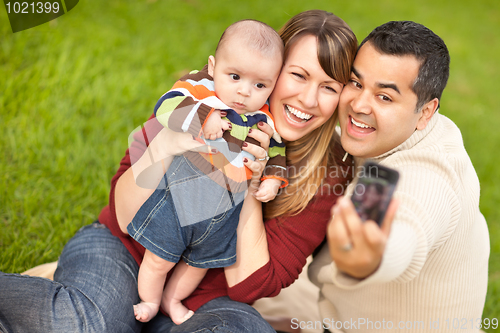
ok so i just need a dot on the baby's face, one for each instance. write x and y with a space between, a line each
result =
244 78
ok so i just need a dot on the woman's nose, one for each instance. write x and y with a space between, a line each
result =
309 96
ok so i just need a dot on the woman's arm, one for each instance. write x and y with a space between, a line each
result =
129 196
149 163
251 247
271 255
289 240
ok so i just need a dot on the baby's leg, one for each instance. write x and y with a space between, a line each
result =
181 284
151 280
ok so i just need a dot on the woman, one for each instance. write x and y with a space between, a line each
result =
97 274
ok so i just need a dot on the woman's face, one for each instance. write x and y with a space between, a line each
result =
304 97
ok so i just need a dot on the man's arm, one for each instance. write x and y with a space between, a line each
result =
423 220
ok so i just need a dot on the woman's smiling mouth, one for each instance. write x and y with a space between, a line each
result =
296 115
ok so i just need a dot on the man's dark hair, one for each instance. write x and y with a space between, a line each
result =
402 38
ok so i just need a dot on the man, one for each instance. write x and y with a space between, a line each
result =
427 271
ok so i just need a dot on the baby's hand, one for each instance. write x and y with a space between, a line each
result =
268 189
215 126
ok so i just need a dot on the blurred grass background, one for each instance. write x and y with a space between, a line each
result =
71 91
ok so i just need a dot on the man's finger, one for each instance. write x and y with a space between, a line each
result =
389 217
374 236
338 236
352 221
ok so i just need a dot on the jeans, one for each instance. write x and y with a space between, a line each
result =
190 216
94 290
221 315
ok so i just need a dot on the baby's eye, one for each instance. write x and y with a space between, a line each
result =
260 85
235 77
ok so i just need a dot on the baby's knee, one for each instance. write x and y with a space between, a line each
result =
156 264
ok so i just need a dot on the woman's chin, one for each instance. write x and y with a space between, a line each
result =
292 133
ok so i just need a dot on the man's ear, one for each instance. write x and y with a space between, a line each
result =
211 65
426 113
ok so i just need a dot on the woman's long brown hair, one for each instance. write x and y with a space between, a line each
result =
309 156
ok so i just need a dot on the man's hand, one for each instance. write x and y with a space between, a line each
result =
357 247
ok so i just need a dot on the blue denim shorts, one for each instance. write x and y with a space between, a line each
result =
189 216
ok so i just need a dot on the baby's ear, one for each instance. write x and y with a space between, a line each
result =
211 65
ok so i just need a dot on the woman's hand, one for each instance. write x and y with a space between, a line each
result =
257 166
357 247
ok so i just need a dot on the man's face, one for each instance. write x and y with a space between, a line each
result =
377 106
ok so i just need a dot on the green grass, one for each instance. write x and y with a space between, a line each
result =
71 90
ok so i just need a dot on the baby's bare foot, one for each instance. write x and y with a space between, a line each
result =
179 313
188 315
145 311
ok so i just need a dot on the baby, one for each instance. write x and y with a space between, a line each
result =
194 214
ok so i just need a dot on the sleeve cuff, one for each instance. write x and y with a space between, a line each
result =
398 255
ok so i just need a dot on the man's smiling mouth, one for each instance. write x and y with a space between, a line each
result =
358 124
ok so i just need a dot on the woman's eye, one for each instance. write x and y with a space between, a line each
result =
260 85
235 77
300 76
330 89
